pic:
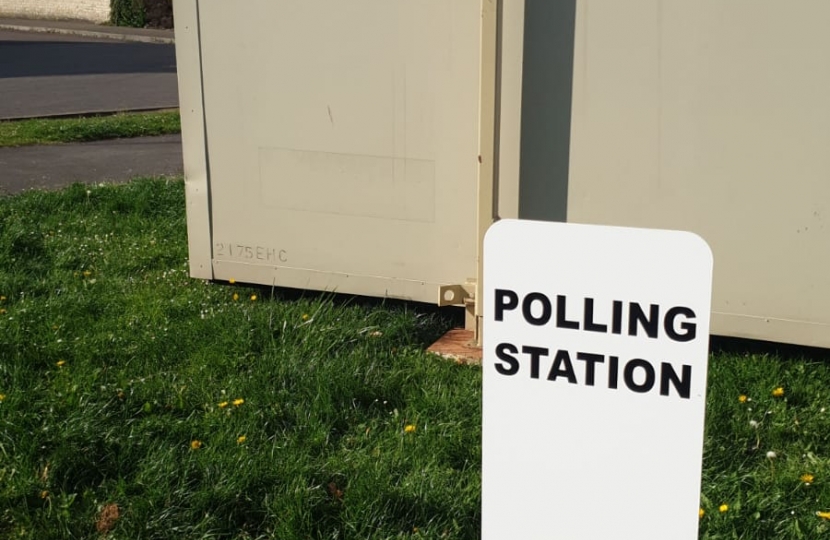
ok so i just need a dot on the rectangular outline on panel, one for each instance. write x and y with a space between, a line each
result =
401 189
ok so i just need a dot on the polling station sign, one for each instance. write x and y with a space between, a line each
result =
595 358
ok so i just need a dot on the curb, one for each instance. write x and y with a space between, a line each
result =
90 114
91 34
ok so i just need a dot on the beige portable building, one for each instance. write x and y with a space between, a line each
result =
364 147
713 116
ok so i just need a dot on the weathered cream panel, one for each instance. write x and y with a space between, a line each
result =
188 59
712 116
343 137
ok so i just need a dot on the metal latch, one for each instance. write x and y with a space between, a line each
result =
455 295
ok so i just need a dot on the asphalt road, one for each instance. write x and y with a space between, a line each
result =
50 74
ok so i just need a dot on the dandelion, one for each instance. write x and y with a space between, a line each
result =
222 404
807 478
235 297
305 316
410 428
253 298
237 402
195 444
701 513
2 298
778 392
723 508
742 398
824 515
44 494
241 439
87 273
2 311
60 363
231 281
771 455
2 398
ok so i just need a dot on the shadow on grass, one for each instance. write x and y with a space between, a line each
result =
751 347
442 319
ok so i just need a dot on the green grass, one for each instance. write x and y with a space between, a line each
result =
99 281
767 496
85 129
113 362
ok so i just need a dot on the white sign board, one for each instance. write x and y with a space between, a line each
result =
595 356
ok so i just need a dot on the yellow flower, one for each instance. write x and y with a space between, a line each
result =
195 444
305 316
231 281
778 392
87 273
44 494
253 298
723 508
825 515
2 298
2 311
701 513
742 398
237 402
60 363
223 404
235 297
2 397
409 428
241 439
807 478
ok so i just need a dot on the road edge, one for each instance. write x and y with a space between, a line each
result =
89 33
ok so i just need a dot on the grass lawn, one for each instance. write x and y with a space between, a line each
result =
85 129
136 402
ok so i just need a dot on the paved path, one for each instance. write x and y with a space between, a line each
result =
47 74
52 166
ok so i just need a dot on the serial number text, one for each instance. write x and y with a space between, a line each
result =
251 253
